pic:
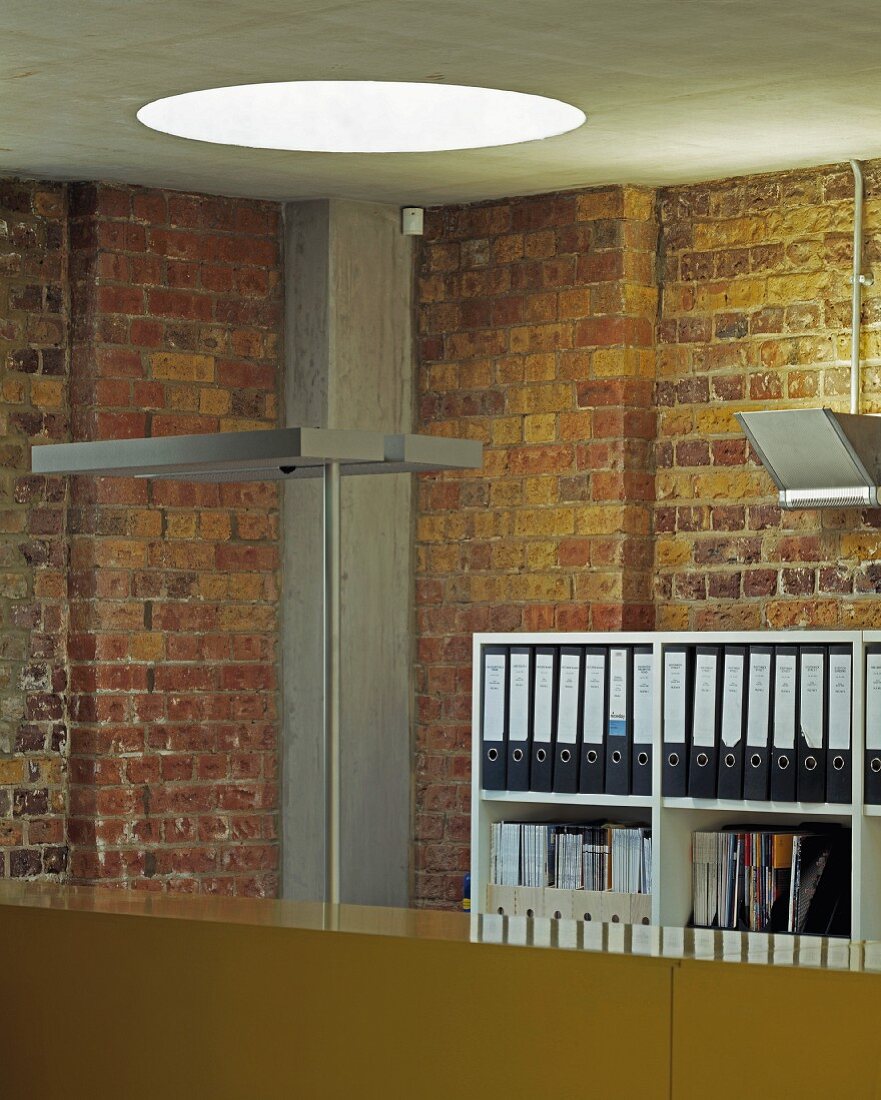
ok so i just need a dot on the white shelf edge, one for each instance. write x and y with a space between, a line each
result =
555 798
752 806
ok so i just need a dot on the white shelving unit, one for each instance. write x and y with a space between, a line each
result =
673 820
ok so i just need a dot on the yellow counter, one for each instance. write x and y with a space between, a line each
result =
126 996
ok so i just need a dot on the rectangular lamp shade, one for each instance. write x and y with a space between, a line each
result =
276 454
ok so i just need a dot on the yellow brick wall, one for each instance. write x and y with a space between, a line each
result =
537 321
599 343
755 313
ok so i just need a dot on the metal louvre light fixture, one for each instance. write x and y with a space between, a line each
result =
280 454
820 458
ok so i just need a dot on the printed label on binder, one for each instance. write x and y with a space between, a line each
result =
759 700
839 700
494 697
642 698
618 693
567 717
674 696
812 699
594 698
704 729
518 720
544 697
732 700
873 701
784 702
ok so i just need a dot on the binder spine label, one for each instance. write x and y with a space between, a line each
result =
494 669
567 716
873 702
784 702
544 697
643 674
732 700
674 697
839 700
618 693
759 706
594 698
518 703
704 728
812 699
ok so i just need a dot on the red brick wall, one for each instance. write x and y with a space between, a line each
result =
33 617
536 325
167 309
176 303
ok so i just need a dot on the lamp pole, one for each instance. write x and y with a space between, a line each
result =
332 683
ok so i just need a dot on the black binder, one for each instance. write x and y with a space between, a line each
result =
643 718
494 715
703 745
813 736
757 762
541 767
619 730
733 737
872 770
839 774
567 719
677 688
519 716
784 724
821 875
593 725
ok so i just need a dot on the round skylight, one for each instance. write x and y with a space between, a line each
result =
360 116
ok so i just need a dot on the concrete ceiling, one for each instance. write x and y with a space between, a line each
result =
675 90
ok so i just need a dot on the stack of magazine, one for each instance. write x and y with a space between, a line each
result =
761 880
583 856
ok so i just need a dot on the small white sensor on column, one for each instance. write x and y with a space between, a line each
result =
412 220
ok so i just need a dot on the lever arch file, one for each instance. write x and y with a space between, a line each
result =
784 724
677 720
734 686
541 768
619 738
812 735
568 705
593 734
757 762
495 679
872 778
706 711
519 716
643 717
839 782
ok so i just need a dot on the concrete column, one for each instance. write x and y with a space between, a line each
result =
349 357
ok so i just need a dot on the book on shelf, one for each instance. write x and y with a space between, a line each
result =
584 856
